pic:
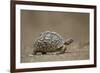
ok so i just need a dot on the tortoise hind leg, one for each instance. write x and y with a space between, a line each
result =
34 53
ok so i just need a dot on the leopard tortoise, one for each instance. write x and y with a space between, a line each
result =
50 42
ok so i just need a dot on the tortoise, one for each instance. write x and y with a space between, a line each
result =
50 42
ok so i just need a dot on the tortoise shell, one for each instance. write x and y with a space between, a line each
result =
48 41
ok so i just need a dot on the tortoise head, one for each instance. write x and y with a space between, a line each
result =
68 42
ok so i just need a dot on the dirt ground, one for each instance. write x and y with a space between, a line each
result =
67 24
73 52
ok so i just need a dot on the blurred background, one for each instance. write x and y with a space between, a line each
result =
67 24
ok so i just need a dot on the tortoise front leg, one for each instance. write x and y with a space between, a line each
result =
62 50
